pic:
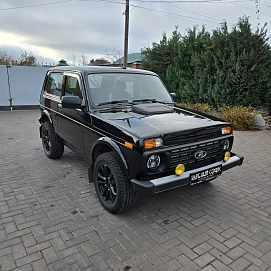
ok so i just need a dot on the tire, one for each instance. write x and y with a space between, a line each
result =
112 184
51 142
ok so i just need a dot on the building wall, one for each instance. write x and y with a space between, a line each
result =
25 85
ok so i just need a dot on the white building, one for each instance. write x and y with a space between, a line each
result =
25 85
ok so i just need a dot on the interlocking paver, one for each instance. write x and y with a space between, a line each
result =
236 253
51 219
240 264
221 256
18 251
256 261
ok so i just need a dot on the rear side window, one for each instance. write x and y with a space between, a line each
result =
54 84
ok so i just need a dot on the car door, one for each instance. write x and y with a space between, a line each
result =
52 94
71 120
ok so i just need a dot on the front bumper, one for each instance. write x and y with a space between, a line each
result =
173 181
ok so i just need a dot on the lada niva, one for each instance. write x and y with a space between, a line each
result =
124 122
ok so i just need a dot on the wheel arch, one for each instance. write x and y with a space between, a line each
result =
45 116
105 144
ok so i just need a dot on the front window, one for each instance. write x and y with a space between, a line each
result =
54 84
72 87
110 87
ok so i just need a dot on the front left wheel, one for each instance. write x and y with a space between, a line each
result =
112 185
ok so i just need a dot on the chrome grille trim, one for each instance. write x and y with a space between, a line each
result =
186 155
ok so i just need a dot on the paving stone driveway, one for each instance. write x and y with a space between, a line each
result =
50 218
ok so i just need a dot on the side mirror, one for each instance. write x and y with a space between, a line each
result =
71 102
173 96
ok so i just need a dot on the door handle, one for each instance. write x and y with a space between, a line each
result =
59 106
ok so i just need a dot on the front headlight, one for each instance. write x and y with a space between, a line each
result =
226 145
153 162
153 143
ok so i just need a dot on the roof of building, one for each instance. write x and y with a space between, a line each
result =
131 58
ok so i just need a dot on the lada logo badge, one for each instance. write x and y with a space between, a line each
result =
200 154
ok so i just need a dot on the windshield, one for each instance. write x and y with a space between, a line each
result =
110 88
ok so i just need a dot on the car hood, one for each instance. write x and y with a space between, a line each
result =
141 125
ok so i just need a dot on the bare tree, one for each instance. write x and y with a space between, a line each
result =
79 60
115 55
25 59
83 59
6 58
74 57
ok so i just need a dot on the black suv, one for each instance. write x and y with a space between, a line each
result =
123 121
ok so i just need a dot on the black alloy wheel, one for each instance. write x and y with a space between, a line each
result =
46 141
112 185
51 142
106 184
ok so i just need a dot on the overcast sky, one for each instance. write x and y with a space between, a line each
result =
55 29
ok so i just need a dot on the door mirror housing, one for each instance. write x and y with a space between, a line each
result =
173 96
71 102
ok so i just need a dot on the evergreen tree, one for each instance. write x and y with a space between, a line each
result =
219 68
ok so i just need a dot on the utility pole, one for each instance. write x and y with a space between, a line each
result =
126 32
10 99
257 2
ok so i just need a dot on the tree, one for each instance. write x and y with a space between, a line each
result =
99 62
6 58
161 55
114 55
84 59
220 67
81 60
25 59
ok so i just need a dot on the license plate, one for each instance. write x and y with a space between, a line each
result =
205 175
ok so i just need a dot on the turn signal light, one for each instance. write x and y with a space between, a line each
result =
179 170
226 130
153 143
227 156
128 145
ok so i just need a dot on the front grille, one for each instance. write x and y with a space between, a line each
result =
186 154
191 136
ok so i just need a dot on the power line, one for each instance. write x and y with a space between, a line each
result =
250 9
174 1
37 5
263 3
169 13
142 1
149 9
200 14
190 1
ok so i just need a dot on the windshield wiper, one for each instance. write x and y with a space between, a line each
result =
150 101
144 101
114 102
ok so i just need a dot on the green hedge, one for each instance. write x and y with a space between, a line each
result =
220 68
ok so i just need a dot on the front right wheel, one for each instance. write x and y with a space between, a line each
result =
112 185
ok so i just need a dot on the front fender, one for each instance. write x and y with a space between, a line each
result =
103 144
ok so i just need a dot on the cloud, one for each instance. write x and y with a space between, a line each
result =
66 29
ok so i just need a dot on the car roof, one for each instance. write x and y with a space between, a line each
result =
102 69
